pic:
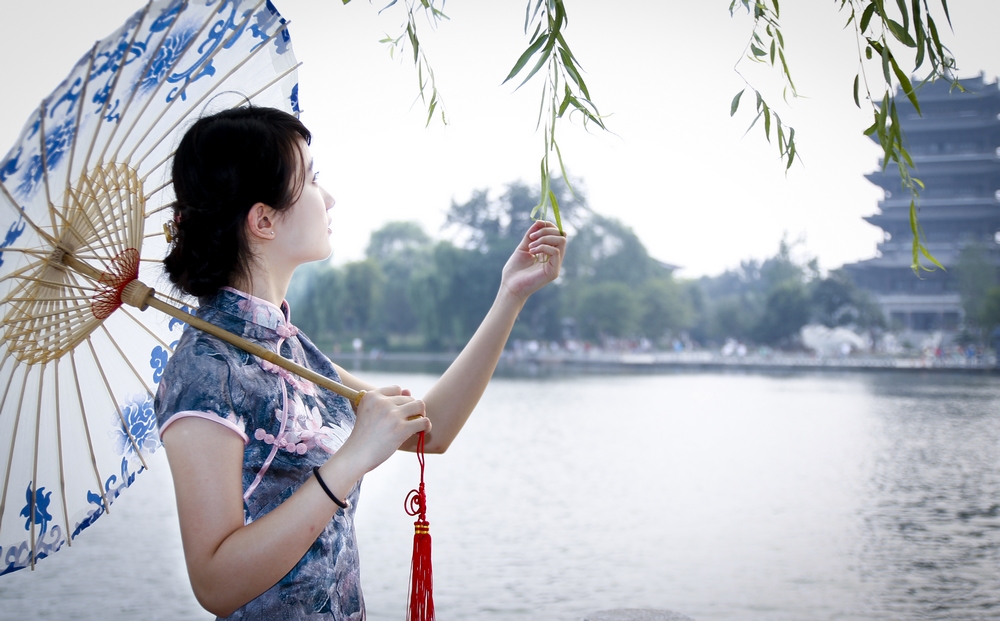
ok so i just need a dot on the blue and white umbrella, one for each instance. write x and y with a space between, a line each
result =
84 197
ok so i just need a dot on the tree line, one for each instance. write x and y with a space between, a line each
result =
415 293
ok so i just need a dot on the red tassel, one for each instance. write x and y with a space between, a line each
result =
421 602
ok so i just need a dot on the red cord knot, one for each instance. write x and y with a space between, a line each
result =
416 502
123 269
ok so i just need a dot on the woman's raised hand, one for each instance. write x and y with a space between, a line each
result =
536 261
386 418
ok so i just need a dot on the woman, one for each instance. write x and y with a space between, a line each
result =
264 537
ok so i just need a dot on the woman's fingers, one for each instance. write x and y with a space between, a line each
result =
550 241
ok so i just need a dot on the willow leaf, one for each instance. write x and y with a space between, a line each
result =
904 83
736 103
572 72
791 147
525 57
927 255
542 59
857 79
866 16
900 33
565 177
784 65
555 211
906 157
944 4
414 41
905 13
885 64
934 35
918 27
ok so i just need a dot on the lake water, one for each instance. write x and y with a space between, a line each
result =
743 497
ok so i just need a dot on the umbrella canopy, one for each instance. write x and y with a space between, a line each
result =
84 197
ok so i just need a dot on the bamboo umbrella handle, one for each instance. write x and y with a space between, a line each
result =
137 294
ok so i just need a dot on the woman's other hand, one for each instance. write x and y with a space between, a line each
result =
386 418
536 261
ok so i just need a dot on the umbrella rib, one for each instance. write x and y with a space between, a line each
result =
59 454
59 299
152 57
24 215
59 311
280 77
149 391
145 71
118 410
111 91
149 100
156 234
45 162
110 232
34 465
270 83
57 284
217 83
144 327
86 429
32 251
79 117
97 234
136 207
21 270
13 437
159 188
179 303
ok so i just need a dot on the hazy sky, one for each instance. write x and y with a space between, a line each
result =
677 169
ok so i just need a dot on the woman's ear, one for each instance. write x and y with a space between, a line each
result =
260 221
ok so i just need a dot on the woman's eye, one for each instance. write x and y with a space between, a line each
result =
315 176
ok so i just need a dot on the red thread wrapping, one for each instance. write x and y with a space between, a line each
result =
421 601
123 269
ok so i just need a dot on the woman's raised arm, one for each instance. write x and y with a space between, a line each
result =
453 397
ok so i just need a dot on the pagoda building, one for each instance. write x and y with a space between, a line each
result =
955 146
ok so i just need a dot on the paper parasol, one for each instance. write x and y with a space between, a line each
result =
84 196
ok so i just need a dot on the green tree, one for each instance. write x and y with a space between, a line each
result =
606 309
317 302
786 310
362 284
976 276
399 248
605 249
990 316
663 306
837 301
397 240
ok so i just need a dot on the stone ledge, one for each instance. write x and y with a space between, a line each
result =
636 614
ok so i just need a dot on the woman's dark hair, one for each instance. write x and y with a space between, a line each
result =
226 163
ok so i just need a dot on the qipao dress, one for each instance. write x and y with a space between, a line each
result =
288 425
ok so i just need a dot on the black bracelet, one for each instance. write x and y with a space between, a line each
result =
340 503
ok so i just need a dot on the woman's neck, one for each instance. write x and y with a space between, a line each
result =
265 284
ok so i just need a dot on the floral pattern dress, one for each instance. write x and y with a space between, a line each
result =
288 425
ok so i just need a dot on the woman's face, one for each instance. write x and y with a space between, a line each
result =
303 231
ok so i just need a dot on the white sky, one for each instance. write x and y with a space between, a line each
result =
677 169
